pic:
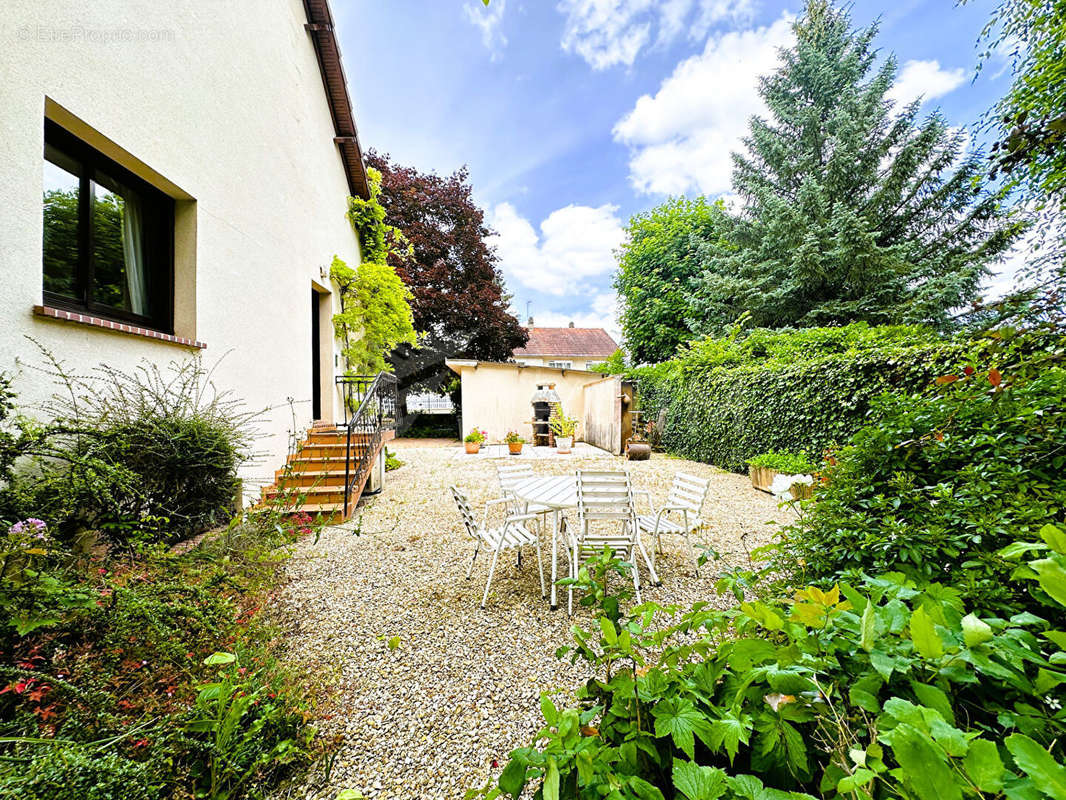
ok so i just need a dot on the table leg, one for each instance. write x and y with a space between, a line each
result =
555 558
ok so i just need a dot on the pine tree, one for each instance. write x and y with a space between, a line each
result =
853 210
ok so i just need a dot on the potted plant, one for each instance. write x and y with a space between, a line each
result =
563 427
514 442
767 466
474 440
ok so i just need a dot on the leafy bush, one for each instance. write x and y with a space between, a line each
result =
153 452
940 484
724 401
882 689
84 773
788 463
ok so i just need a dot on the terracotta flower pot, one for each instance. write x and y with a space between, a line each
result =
472 447
515 448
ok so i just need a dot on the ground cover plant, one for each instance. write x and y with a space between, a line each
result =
128 669
877 689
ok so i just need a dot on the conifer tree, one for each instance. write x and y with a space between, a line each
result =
852 209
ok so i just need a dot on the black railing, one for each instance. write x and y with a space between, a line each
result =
353 390
375 413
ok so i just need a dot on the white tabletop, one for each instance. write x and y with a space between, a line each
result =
559 491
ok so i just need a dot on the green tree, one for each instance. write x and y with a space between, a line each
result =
658 263
853 209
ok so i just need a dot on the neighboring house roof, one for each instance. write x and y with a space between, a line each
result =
320 27
594 342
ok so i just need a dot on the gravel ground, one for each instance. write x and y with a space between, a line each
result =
437 712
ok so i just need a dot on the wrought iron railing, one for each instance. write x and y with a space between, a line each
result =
374 414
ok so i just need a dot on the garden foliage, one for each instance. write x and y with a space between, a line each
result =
879 689
726 400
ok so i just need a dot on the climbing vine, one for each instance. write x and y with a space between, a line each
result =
375 313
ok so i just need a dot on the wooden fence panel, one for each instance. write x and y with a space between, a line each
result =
603 414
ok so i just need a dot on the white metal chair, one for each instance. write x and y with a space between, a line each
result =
606 517
513 534
685 502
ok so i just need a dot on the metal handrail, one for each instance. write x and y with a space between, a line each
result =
375 414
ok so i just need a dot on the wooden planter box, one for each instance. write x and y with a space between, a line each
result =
762 477
802 491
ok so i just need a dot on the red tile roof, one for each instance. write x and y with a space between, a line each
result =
567 342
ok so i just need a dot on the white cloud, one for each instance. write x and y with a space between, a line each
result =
574 244
610 32
489 21
925 79
682 137
602 313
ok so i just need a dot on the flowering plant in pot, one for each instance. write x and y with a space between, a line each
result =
474 440
514 442
563 427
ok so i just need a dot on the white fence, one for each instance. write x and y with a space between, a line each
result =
428 403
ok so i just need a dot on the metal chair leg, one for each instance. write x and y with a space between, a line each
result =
695 559
470 569
488 583
540 570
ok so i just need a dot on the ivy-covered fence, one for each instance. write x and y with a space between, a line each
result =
798 391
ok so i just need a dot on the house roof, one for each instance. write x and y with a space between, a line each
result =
567 342
346 136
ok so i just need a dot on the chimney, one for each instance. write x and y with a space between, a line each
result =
571 323
529 322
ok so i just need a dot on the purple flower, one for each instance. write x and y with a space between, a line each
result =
37 528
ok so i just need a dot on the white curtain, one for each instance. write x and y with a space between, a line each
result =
133 251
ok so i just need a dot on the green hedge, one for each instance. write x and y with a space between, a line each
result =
747 400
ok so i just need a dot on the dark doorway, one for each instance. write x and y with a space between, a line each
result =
316 361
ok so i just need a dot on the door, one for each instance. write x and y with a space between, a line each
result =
316 360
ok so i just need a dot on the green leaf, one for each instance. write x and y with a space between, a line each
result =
698 783
349 794
925 767
1052 577
866 627
923 634
219 658
513 777
729 732
1043 770
548 709
550 788
678 718
644 790
860 777
393 642
1055 538
929 695
610 635
975 631
984 766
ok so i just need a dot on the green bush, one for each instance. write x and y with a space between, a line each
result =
788 463
725 401
878 690
153 453
49 773
940 484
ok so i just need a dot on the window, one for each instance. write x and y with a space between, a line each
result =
108 236
561 364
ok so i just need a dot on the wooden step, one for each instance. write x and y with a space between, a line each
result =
311 494
327 477
327 435
315 465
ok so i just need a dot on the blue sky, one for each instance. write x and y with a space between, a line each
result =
573 115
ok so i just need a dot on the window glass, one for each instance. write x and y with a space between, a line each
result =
118 252
61 200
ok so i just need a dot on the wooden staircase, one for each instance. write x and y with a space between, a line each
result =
312 480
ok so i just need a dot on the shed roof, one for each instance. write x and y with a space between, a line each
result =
568 342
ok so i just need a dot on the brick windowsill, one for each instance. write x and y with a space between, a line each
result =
111 325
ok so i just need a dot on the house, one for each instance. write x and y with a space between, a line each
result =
174 179
565 348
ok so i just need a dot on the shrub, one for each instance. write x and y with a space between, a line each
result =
878 690
724 401
153 453
84 773
940 484
788 463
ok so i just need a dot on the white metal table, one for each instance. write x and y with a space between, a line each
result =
557 493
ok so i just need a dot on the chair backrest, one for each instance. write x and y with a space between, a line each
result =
604 496
464 511
511 475
689 492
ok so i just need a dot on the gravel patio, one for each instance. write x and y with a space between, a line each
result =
427 692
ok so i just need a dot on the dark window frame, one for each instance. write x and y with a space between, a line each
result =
158 238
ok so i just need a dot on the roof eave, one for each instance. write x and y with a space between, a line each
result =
346 136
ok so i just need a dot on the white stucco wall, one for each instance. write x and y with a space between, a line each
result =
497 397
576 362
224 100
